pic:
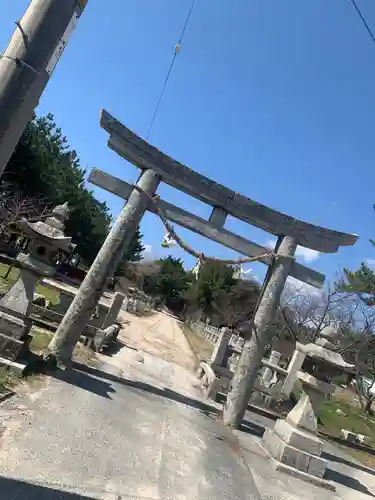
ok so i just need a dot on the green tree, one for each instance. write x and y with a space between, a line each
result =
360 282
44 166
214 281
236 307
132 254
169 282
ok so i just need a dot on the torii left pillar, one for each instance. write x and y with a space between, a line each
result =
77 316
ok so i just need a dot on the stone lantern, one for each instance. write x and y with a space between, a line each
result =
293 443
47 247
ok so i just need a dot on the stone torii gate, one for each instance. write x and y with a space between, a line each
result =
157 167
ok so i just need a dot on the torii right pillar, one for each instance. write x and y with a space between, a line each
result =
245 375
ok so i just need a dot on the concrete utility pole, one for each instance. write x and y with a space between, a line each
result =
76 318
28 62
243 380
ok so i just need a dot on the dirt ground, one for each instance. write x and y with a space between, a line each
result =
159 335
154 350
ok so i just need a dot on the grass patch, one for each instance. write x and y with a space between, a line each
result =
13 275
5 283
202 347
49 293
41 339
8 379
353 420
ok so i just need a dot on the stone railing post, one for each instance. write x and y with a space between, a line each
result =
221 347
113 310
274 359
293 368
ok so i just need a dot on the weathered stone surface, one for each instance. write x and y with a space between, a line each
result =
20 296
221 347
113 310
302 415
269 376
293 369
45 239
78 315
305 441
248 364
304 476
317 466
105 336
10 348
317 351
291 456
205 228
144 156
13 326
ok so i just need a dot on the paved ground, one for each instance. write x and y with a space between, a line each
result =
138 428
120 433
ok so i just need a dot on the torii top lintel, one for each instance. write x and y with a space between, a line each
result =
144 156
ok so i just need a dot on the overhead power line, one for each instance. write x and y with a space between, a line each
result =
363 19
176 51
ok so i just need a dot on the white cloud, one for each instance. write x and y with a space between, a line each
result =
370 262
148 254
306 254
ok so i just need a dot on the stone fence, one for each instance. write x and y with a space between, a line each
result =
273 383
137 302
211 333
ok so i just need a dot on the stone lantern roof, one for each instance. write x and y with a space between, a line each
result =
52 229
324 350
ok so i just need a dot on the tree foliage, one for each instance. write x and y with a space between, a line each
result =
361 282
214 281
222 299
43 166
236 308
169 282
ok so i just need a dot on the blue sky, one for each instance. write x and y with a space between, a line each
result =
274 98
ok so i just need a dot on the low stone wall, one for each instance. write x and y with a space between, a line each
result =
211 333
137 305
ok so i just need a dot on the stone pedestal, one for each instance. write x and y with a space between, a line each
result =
14 311
295 447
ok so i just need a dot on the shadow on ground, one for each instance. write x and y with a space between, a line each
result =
14 489
115 347
341 460
100 382
348 481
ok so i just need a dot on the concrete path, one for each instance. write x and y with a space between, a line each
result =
133 429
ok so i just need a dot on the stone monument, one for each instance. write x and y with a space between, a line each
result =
293 443
48 244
